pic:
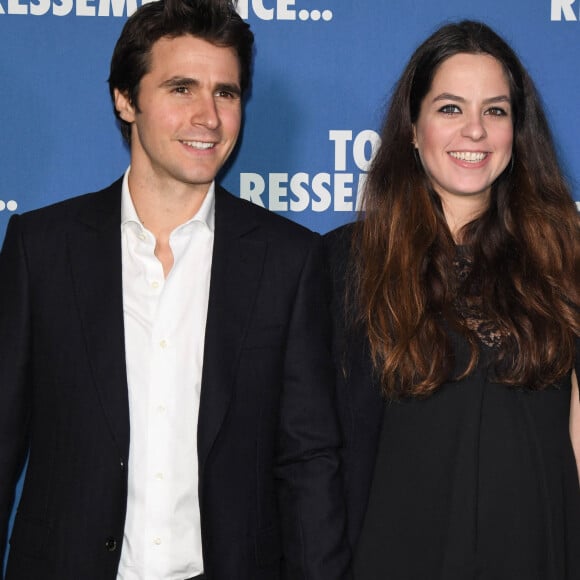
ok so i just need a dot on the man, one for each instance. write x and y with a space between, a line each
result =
164 357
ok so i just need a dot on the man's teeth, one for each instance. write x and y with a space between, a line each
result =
199 144
470 156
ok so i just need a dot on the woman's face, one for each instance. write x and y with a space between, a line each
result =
464 132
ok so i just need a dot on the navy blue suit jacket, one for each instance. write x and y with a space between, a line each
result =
269 482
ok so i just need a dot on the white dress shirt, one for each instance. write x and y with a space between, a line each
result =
165 322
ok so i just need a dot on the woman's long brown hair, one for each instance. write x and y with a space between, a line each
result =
525 248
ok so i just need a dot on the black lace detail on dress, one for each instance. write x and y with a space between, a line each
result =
468 306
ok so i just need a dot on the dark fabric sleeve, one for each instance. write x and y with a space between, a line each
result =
308 468
14 368
359 402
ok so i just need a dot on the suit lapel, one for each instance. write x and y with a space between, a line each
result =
235 277
94 246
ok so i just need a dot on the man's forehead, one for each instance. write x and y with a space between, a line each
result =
189 52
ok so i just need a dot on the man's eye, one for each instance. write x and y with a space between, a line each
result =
181 90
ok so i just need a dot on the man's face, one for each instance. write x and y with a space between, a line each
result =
188 116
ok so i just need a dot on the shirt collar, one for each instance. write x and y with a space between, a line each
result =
205 214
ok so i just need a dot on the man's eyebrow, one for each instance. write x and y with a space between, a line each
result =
173 82
179 82
233 88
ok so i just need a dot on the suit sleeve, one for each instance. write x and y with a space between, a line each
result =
14 368
308 470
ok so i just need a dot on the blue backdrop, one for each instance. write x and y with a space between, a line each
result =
323 73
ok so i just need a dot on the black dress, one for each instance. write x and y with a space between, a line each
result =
477 481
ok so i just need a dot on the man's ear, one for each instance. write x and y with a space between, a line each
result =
124 106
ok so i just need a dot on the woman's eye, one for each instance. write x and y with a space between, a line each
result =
496 112
450 109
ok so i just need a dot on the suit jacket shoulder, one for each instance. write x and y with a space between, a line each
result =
338 248
97 208
276 227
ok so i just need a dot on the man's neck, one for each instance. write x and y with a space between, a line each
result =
163 207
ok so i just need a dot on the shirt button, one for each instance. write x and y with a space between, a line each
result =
163 344
157 541
159 476
161 409
111 544
155 284
142 236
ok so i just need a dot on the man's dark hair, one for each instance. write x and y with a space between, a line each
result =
215 21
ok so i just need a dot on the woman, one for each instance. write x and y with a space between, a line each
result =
456 308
